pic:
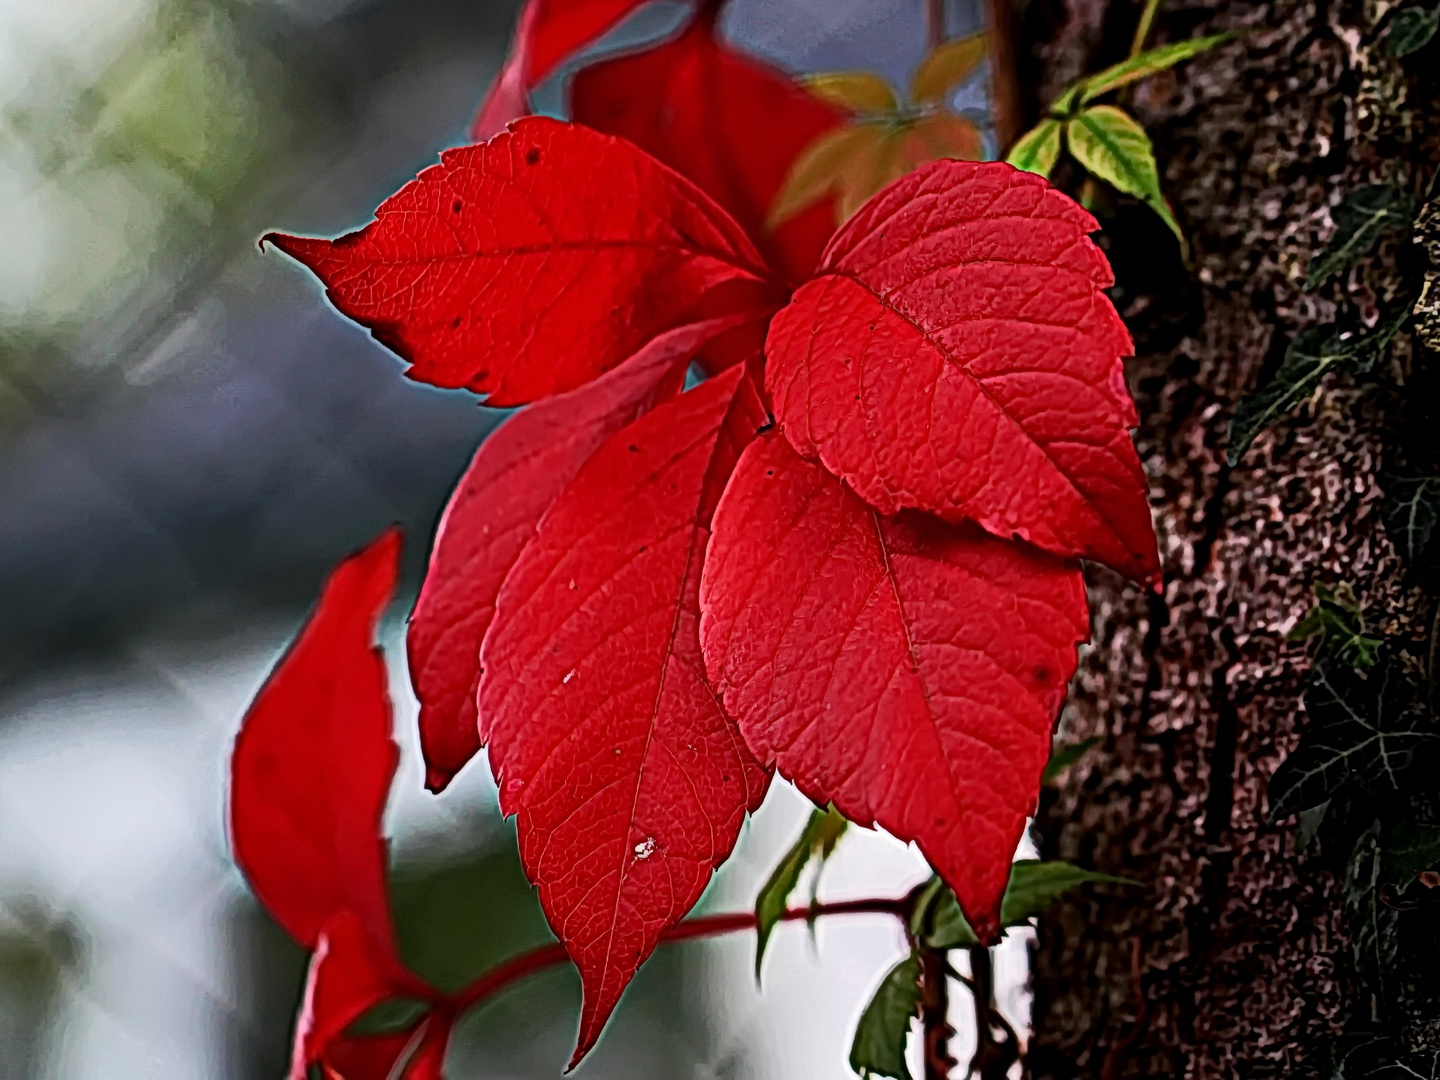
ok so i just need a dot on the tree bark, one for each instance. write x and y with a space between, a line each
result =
1231 959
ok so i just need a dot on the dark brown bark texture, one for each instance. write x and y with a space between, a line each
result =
1242 954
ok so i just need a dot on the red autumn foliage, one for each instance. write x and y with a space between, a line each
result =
643 599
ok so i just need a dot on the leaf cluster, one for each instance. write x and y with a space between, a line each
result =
885 135
1106 140
936 922
1361 782
1361 219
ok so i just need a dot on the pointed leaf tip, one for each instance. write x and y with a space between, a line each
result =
905 740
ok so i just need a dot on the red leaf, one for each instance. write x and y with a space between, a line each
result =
628 780
492 515
313 762
348 976
547 32
528 265
906 670
730 123
957 354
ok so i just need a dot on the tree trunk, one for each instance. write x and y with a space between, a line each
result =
1230 960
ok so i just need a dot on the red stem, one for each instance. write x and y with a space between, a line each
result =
517 967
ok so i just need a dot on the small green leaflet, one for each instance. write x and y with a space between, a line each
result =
1313 353
1413 847
1410 510
1411 30
822 832
1147 63
1038 149
1364 730
879 1046
938 922
1373 925
1366 214
1065 755
1336 620
1109 142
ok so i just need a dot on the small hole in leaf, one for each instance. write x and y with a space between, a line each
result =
532 156
1042 674
455 322
457 206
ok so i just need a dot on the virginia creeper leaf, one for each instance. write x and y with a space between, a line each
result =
1410 510
853 91
628 780
879 1046
956 354
906 670
1363 729
1110 143
730 123
946 67
528 265
313 762
845 163
546 33
1365 215
1411 30
515 476
1038 149
818 839
1146 64
348 976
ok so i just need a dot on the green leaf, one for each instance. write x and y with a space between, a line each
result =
1373 925
1308 826
1147 63
1311 354
1110 143
1365 730
1366 214
1337 621
879 1046
1038 149
1065 755
1411 848
1411 30
389 1017
818 839
1034 886
1410 510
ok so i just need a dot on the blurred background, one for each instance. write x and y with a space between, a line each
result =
189 439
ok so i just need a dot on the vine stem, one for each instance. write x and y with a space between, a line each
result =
935 1015
547 956
1142 31
1004 82
935 23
